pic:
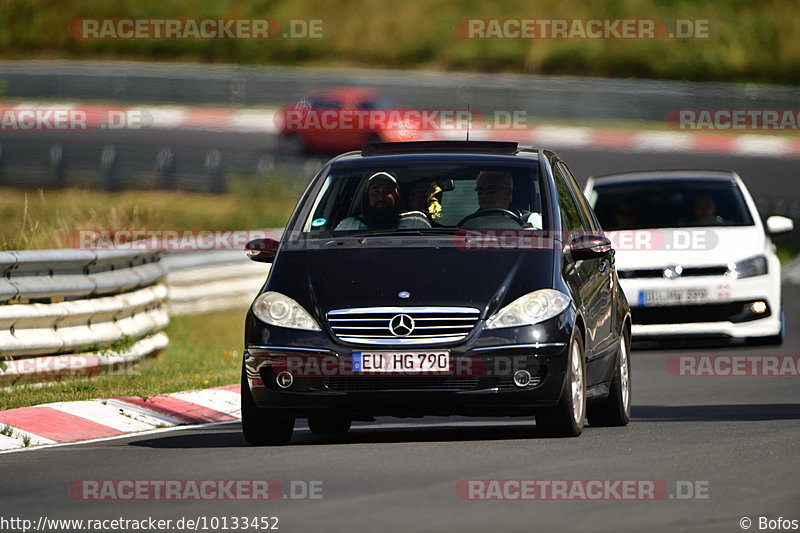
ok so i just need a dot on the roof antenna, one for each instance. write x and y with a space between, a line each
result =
469 120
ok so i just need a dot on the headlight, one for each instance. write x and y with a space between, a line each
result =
532 308
755 266
279 310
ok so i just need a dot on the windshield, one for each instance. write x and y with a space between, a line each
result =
428 197
669 204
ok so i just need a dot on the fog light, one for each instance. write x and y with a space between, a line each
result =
284 380
522 378
759 307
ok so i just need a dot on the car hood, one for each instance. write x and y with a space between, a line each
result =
711 246
369 276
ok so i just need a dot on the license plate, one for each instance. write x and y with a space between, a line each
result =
672 297
414 362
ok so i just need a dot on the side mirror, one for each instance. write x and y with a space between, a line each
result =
262 250
590 247
777 224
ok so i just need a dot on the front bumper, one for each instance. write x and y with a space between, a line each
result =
480 381
725 313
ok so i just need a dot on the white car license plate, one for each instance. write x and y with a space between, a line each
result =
658 297
415 362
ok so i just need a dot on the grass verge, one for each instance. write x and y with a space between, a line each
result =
43 219
204 351
747 41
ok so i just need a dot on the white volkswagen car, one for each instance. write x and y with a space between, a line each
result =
693 256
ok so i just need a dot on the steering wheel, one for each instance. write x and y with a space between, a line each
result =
500 211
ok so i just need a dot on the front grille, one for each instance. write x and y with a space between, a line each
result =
405 383
431 325
687 314
659 272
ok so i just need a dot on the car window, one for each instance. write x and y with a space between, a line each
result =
428 195
669 204
571 218
379 102
587 215
325 104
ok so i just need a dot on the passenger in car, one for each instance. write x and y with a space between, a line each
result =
380 207
704 211
495 190
625 215
427 198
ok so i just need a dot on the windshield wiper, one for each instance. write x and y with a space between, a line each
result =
404 232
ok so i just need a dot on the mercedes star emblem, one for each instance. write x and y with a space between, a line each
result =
401 325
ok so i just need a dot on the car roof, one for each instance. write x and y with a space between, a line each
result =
380 153
665 175
346 92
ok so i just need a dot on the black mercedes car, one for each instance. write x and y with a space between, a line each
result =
437 278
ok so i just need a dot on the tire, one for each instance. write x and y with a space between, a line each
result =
567 418
260 426
326 424
615 410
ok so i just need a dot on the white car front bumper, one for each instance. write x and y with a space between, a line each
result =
721 312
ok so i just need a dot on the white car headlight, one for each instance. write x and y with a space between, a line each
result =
279 310
530 309
754 266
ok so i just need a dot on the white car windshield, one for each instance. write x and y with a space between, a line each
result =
669 204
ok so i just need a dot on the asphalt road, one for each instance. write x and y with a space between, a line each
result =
734 436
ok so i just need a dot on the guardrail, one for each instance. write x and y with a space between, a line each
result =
78 312
200 282
75 311
561 97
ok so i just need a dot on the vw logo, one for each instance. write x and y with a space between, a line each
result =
401 325
673 271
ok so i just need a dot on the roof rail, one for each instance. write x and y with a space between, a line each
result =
416 147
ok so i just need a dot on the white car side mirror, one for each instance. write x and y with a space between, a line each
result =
777 224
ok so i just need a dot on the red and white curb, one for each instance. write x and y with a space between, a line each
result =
263 121
65 422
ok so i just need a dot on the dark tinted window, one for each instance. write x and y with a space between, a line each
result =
589 220
669 204
325 104
570 211
379 102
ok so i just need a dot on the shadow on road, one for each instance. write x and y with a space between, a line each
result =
712 413
363 434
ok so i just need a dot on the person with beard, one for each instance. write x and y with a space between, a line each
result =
380 208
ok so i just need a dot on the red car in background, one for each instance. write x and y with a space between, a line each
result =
340 119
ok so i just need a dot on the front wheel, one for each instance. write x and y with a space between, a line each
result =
616 409
260 426
567 418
